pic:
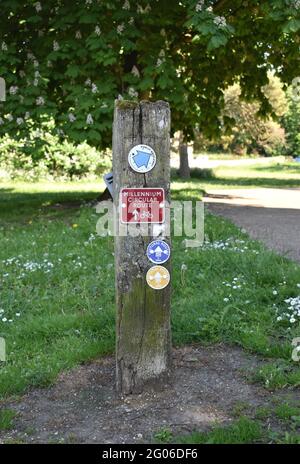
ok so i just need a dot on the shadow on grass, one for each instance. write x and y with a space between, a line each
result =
291 168
16 205
238 181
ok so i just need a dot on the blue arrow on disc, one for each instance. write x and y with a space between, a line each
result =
141 158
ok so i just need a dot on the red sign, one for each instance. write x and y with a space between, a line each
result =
140 205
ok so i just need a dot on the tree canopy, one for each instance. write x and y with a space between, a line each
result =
68 60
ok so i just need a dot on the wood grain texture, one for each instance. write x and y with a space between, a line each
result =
143 343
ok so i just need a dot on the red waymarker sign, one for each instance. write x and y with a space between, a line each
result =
140 205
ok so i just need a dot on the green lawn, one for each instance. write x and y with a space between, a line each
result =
269 174
57 288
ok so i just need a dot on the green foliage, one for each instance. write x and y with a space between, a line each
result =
286 412
43 155
291 123
243 431
244 129
163 435
68 61
250 132
6 419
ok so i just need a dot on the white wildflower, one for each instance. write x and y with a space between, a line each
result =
126 5
55 46
71 117
1 121
27 115
94 88
38 6
200 6
13 90
10 117
132 92
4 47
120 28
97 30
220 21
40 101
88 82
135 71
78 35
20 121
142 10
89 119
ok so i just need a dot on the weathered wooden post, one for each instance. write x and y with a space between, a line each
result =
141 169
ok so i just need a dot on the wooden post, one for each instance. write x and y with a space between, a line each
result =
143 346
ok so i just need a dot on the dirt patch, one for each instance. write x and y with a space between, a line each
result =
82 407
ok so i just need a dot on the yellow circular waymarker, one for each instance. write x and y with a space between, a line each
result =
158 277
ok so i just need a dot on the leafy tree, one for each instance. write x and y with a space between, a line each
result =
291 123
251 132
276 95
69 60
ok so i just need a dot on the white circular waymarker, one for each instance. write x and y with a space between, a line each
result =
142 158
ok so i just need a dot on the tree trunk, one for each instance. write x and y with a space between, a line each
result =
184 169
143 346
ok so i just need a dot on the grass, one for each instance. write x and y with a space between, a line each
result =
269 174
57 296
57 287
6 419
286 412
243 431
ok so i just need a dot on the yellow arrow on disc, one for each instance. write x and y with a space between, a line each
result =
158 277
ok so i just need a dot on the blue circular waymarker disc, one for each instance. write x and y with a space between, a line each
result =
142 158
158 251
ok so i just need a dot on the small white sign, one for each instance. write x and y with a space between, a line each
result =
142 158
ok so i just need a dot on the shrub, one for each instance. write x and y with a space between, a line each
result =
43 155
